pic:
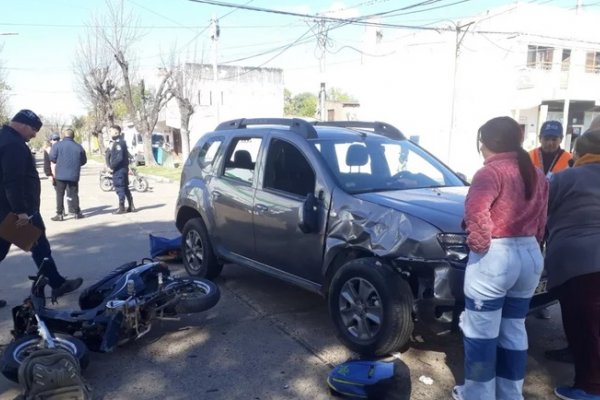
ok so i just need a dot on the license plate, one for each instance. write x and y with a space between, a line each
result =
541 287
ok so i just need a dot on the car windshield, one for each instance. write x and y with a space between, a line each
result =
380 164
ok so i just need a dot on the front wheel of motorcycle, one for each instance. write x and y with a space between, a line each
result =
18 350
140 184
106 184
197 295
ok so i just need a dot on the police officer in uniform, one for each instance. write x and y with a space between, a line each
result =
117 158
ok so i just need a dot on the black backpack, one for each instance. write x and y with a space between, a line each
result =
52 374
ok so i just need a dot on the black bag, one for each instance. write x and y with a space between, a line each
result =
52 374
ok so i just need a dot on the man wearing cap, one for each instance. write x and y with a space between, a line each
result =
68 157
549 157
20 191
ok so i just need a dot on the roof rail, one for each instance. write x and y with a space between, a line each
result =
296 125
380 128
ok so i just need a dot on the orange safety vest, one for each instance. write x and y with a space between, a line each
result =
560 162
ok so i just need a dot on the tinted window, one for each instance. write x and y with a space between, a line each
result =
288 170
241 159
208 153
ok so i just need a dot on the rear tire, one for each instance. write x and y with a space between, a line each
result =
371 307
197 296
198 256
18 350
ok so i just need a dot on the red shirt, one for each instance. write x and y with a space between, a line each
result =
496 206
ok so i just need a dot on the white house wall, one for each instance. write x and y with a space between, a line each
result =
411 87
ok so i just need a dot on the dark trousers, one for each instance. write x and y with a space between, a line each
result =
121 184
580 305
39 251
72 190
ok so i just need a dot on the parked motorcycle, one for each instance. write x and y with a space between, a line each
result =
136 181
117 309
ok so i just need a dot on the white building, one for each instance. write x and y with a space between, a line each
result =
239 92
531 62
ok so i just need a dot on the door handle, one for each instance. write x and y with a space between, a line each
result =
216 195
261 208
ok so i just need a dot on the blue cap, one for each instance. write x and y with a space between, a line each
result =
28 117
54 136
551 128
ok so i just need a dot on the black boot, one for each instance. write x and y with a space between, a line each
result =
130 207
120 210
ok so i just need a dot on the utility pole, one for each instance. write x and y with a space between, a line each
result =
461 31
322 42
214 35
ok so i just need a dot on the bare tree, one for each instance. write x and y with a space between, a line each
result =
182 85
4 88
119 32
96 71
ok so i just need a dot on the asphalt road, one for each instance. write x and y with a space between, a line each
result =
263 340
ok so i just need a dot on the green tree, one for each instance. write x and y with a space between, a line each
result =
338 95
300 105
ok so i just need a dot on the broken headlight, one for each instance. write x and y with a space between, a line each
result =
455 245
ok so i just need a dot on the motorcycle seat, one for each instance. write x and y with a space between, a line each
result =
94 294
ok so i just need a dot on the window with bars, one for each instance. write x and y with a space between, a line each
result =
592 62
540 57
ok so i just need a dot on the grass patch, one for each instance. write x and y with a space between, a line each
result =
171 173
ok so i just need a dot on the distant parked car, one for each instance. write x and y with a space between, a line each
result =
352 210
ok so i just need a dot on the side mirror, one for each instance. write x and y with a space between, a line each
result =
308 220
462 176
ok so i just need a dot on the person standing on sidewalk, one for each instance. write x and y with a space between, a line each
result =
117 158
68 157
573 262
505 219
20 191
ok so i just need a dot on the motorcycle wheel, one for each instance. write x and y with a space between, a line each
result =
197 295
106 184
18 350
140 184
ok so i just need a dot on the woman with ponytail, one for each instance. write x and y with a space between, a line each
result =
505 218
573 261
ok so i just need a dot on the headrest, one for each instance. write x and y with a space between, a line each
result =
243 159
357 156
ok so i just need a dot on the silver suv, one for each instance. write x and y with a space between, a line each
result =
352 210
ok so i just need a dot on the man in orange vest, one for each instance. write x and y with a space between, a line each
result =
549 157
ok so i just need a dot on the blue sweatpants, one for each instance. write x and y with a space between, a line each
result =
498 287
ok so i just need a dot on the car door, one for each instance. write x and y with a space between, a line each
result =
232 196
287 178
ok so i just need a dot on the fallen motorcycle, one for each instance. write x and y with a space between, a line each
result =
117 309
136 181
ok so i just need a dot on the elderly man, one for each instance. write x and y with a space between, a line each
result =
20 191
68 157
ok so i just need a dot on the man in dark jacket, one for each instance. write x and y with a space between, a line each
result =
68 157
20 191
117 158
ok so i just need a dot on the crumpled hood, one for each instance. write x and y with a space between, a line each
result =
442 207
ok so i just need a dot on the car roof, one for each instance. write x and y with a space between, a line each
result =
314 129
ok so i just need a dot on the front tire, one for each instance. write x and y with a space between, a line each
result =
198 256
106 184
371 307
140 184
18 350
196 296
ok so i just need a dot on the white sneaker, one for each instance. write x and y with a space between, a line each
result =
457 392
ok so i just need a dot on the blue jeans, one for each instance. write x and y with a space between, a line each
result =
498 287
39 251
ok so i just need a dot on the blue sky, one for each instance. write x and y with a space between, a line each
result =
38 62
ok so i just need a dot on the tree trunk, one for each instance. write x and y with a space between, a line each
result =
185 132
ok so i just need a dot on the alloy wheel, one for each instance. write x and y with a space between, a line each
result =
361 309
194 250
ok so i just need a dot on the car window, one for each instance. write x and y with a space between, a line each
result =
288 170
241 158
208 153
376 164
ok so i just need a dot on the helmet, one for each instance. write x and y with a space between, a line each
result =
54 136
